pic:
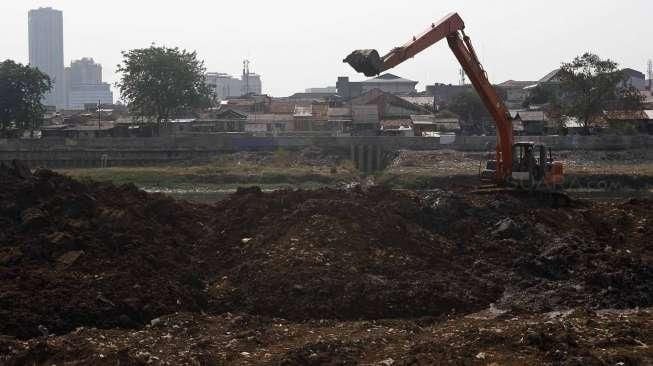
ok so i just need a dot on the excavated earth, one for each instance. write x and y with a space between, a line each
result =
92 273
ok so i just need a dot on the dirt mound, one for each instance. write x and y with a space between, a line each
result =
74 253
561 338
94 254
339 254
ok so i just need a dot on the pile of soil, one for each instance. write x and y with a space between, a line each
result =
93 254
75 253
561 338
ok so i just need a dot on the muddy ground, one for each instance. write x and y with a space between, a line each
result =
93 273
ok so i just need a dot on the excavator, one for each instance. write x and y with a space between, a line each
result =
522 164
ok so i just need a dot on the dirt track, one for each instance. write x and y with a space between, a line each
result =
315 263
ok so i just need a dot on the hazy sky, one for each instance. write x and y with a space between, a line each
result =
300 44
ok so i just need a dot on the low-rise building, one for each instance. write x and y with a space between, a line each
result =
387 83
630 122
533 122
515 92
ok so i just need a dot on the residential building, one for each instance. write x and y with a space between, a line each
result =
630 122
635 79
397 127
326 90
515 92
45 28
84 85
428 124
389 106
388 83
444 93
533 122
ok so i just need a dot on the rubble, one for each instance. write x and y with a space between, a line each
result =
113 274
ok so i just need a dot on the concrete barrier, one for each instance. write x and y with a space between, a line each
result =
55 152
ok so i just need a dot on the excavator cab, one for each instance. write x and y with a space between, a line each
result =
533 168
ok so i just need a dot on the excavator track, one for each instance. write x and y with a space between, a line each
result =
547 198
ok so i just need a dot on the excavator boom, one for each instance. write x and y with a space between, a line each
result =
452 28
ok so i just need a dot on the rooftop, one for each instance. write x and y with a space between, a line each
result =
389 78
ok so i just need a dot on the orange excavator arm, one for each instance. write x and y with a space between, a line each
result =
452 28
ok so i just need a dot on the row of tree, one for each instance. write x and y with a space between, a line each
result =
587 87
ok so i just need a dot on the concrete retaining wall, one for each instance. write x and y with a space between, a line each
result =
145 151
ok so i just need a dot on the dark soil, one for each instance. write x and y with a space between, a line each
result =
97 255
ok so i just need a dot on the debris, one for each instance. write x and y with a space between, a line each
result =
70 257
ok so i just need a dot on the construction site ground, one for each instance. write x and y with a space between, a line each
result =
104 274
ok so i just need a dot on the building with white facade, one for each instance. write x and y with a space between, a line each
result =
226 86
85 86
45 28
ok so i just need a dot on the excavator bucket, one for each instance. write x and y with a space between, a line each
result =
366 61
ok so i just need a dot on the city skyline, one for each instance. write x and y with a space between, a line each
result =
294 53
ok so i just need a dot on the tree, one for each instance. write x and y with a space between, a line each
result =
543 94
159 83
471 110
21 90
590 85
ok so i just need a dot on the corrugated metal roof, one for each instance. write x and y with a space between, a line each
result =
420 100
625 115
550 76
394 124
303 111
389 78
649 113
516 84
263 118
339 112
531 116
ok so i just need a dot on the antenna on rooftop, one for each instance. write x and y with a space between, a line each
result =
461 73
650 75
246 77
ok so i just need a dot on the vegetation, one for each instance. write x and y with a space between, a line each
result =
471 110
590 85
223 173
160 83
21 90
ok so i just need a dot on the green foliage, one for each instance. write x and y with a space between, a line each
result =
21 90
445 113
282 157
543 94
590 85
469 106
160 83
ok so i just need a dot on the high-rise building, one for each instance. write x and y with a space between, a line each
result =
85 86
251 84
45 26
226 86
85 71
